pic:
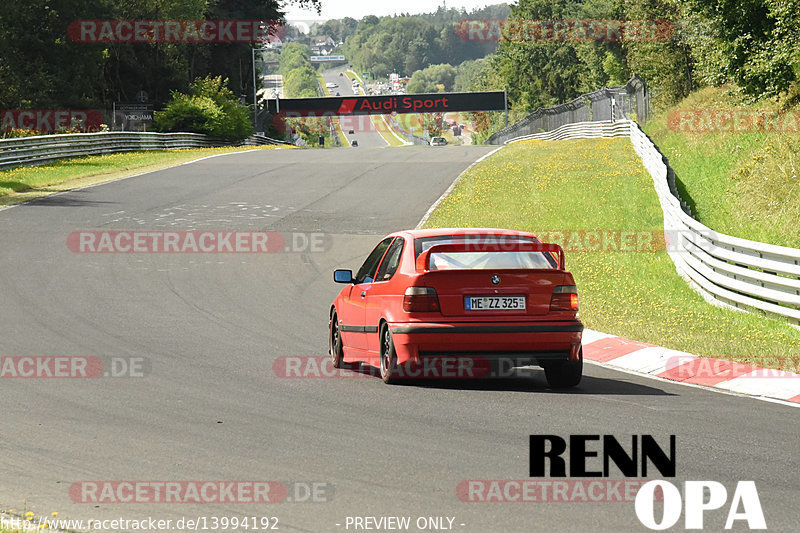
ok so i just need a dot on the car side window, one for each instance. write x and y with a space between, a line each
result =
391 261
366 273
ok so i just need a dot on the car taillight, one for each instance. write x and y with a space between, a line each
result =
420 300
565 298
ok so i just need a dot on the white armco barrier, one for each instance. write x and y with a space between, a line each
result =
41 149
726 270
581 130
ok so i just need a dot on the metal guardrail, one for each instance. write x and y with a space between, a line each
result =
261 140
607 104
42 149
411 138
581 130
725 270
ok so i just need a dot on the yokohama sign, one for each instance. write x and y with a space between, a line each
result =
383 105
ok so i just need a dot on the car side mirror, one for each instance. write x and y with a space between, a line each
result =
343 276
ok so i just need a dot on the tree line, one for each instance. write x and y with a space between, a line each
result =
753 43
43 67
407 43
675 45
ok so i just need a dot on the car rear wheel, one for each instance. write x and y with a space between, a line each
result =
335 343
389 371
564 374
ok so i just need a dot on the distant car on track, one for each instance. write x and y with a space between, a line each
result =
484 295
438 141
331 85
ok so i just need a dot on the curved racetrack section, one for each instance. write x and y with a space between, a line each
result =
211 326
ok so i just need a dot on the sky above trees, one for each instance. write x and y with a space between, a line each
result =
360 8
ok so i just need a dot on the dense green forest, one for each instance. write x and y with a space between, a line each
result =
752 44
409 43
299 77
41 67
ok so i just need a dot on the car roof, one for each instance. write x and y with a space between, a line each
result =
438 232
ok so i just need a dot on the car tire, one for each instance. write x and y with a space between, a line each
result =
389 370
335 348
566 374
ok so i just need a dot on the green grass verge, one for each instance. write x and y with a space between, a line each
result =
25 183
406 121
385 130
542 186
745 183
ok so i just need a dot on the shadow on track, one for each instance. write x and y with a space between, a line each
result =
64 200
522 380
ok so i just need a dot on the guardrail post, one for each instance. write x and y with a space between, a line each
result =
505 106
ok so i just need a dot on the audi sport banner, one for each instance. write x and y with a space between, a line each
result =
382 105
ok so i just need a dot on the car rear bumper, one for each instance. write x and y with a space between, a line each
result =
520 342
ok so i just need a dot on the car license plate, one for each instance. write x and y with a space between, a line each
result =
494 303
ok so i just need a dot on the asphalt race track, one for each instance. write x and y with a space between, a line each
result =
210 327
364 130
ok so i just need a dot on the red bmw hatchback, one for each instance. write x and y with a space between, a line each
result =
487 295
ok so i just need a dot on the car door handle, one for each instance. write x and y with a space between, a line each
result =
363 294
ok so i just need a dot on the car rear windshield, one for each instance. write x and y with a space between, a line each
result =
483 260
